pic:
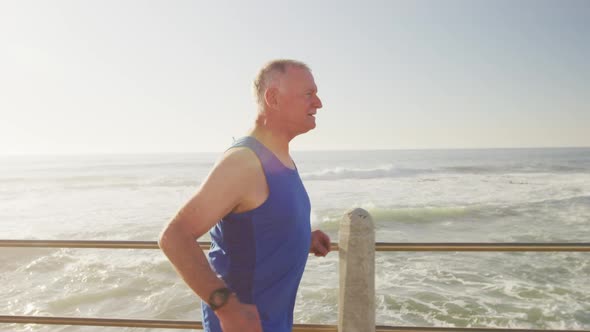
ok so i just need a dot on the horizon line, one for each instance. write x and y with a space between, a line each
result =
32 154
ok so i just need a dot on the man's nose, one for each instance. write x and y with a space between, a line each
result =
318 102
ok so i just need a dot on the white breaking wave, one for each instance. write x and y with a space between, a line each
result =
338 173
390 171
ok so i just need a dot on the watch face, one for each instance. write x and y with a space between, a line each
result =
218 298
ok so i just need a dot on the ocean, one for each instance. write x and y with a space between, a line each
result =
488 195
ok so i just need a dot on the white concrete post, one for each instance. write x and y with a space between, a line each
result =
356 248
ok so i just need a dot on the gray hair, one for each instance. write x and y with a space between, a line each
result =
269 73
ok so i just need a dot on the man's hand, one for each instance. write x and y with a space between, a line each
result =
238 317
320 243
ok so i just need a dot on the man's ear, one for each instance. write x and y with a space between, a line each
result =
271 98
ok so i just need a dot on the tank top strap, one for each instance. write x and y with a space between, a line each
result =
271 165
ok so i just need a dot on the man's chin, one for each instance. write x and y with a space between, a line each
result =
301 132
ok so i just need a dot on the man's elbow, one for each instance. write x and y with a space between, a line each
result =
162 239
167 236
174 234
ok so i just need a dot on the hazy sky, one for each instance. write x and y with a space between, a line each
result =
175 76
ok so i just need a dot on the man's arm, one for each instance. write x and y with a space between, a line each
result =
225 187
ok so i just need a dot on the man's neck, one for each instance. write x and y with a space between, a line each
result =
273 139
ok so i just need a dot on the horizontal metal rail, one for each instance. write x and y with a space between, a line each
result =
174 324
379 246
179 324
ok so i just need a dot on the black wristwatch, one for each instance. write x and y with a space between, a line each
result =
219 298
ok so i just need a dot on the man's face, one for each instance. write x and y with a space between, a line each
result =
298 100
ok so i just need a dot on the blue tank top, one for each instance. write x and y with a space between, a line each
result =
261 254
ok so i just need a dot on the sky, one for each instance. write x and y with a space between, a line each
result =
116 76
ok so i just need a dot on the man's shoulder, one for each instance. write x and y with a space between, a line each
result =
240 159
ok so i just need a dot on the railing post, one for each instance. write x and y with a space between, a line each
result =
356 248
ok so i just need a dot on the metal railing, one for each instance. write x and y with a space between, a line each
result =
379 246
177 324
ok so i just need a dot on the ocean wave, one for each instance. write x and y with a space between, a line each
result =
420 214
392 171
186 173
339 173
516 168
566 201
405 214
81 182
113 166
